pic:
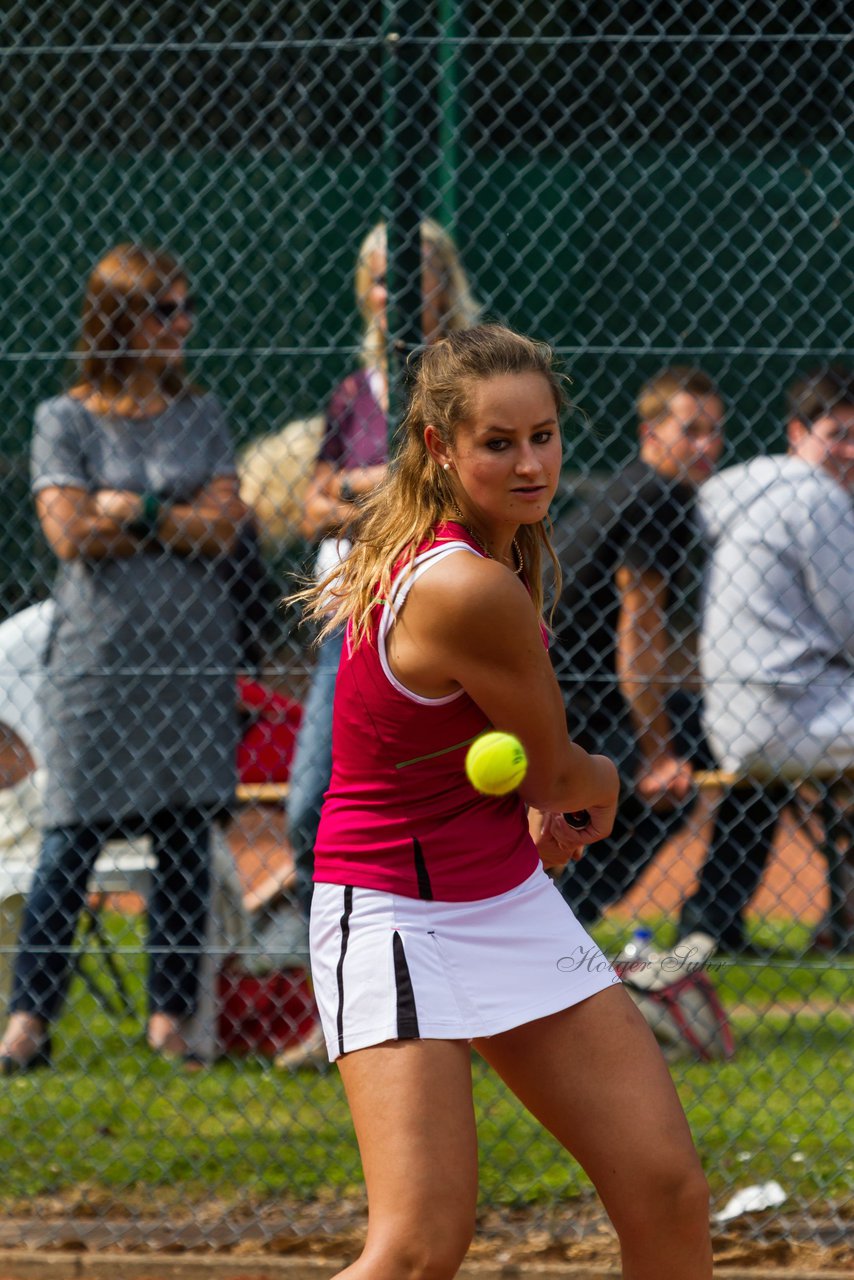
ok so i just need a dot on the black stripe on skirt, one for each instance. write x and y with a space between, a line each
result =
339 972
407 1018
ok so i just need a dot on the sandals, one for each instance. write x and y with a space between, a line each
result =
168 1041
35 1050
39 1055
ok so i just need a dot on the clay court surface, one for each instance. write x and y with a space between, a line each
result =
288 1240
507 1247
794 884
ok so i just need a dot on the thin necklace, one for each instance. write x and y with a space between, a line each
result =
517 550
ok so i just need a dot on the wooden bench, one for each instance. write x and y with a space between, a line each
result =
262 792
835 803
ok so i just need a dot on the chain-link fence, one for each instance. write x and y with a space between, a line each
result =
648 188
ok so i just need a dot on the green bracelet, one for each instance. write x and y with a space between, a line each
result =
144 525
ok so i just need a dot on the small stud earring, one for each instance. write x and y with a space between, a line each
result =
446 466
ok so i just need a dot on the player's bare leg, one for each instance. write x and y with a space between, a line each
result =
594 1076
411 1103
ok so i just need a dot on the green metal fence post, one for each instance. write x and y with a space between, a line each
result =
448 90
408 127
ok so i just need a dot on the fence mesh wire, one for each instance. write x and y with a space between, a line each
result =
644 187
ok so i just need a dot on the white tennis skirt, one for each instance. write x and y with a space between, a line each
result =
386 967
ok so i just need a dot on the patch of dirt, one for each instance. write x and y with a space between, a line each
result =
577 1232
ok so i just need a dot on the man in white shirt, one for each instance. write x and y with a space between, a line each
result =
777 641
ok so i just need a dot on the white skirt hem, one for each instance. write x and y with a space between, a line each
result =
387 967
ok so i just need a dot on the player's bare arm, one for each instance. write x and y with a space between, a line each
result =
469 623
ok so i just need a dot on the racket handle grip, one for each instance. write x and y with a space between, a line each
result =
578 819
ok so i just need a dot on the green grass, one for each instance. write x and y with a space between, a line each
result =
127 1126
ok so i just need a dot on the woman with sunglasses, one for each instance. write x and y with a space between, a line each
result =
136 493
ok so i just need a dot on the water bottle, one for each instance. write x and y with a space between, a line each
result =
640 947
638 961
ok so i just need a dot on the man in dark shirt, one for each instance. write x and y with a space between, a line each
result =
630 562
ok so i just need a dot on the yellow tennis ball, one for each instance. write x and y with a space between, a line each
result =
496 763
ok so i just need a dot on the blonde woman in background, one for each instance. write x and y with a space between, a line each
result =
351 463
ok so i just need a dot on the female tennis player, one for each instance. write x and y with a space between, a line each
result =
434 925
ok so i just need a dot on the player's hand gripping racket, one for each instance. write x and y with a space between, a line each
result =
578 819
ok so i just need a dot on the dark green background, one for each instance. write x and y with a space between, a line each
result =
637 184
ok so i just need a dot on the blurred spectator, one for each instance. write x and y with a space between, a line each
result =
255 596
777 641
630 557
275 470
23 641
136 493
350 464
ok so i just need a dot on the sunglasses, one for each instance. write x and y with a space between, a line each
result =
168 309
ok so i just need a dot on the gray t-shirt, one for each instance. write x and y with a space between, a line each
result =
777 643
139 701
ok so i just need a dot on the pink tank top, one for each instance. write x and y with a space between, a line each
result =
400 814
